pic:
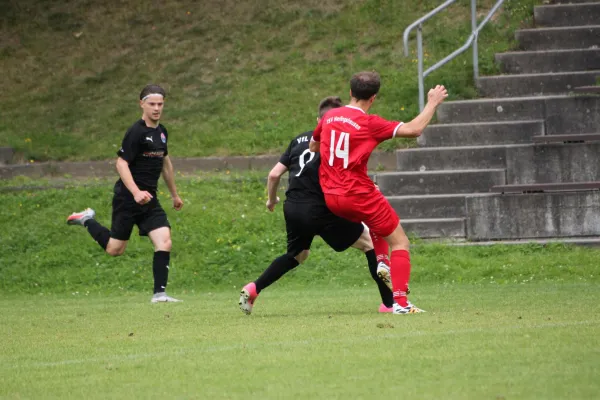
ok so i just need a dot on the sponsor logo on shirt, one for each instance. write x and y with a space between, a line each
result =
344 120
149 138
154 154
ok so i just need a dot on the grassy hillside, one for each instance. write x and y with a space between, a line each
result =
242 76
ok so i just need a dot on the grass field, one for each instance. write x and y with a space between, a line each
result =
537 341
224 237
242 77
503 322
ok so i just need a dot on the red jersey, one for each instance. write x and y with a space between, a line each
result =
348 136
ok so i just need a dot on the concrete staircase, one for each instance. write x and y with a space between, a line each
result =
444 187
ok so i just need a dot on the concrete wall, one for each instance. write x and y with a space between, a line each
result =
553 163
540 215
576 114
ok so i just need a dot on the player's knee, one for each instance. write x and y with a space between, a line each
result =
302 256
401 243
165 245
364 243
115 251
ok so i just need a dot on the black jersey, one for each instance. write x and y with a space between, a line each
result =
144 148
303 166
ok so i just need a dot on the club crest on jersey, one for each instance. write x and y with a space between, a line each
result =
163 137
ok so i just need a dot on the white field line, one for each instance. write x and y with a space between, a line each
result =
7 364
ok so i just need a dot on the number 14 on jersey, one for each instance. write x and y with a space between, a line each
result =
342 147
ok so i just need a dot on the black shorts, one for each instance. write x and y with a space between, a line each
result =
127 213
304 221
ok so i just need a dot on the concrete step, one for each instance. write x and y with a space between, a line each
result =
452 158
6 155
563 114
429 206
439 182
570 1
575 37
553 163
538 215
435 227
567 14
545 61
481 133
534 84
589 241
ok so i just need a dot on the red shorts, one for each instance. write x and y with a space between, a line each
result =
371 208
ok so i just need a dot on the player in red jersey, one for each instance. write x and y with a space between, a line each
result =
346 137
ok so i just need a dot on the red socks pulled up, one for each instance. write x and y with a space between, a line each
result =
400 271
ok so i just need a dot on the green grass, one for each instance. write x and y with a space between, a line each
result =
242 77
223 238
476 341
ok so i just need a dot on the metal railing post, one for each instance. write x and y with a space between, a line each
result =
474 32
471 41
420 66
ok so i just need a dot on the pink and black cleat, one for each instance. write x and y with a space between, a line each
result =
384 309
247 297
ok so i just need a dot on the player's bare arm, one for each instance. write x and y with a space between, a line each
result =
414 128
314 146
169 178
273 183
140 196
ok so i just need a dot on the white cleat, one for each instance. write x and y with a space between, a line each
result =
409 309
163 298
79 218
383 272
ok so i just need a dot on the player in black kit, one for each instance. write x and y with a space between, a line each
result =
143 156
307 216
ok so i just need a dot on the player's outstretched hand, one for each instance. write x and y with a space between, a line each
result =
177 203
142 197
437 95
271 204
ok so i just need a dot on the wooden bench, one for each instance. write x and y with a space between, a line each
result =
578 138
594 89
546 187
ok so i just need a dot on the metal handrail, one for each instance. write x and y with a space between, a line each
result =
472 40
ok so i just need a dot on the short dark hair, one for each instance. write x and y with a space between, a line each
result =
328 103
364 85
152 89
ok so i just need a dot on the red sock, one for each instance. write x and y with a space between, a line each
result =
400 271
382 248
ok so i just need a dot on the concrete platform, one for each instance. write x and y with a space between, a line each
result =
563 114
439 182
430 206
547 61
567 14
574 37
534 84
435 228
539 215
553 162
452 158
481 133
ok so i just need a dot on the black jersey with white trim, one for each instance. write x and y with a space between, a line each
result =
144 148
303 166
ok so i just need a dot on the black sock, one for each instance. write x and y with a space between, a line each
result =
160 268
279 267
100 234
384 291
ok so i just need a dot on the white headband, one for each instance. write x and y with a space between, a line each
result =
151 94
